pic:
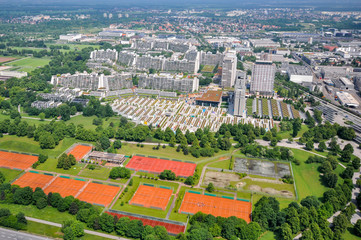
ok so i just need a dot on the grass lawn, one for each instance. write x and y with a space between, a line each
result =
44 229
87 122
48 213
29 121
50 165
287 134
268 236
28 145
284 202
9 174
168 152
349 235
101 173
221 164
29 64
307 177
174 214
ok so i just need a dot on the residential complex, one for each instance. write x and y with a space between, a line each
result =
263 75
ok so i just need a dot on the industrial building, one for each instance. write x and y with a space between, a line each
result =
343 83
347 100
300 74
263 75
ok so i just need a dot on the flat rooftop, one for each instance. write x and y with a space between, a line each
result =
210 96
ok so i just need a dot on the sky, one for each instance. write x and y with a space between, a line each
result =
335 4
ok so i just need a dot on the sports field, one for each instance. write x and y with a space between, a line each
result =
156 165
151 197
33 180
65 187
223 207
79 151
29 64
172 228
6 59
98 194
16 160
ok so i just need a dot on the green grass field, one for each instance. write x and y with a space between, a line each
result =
221 164
307 177
168 152
10 174
28 145
50 165
48 213
101 173
287 134
87 122
29 64
44 229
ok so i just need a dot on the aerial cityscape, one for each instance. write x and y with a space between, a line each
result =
187 120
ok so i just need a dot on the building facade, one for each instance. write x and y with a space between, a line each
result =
263 76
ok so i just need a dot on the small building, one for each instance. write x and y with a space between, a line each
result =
347 99
210 98
109 157
343 83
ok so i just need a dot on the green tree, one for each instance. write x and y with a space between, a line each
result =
42 116
309 145
286 232
357 228
106 222
322 146
210 187
189 180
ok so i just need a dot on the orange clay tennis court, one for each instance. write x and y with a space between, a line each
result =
216 206
16 160
33 180
65 187
151 197
156 165
98 194
79 151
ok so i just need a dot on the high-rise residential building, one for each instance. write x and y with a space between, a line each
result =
263 76
239 98
229 68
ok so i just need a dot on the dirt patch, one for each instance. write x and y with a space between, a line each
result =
264 180
6 59
223 158
270 191
220 179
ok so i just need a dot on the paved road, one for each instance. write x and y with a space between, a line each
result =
15 235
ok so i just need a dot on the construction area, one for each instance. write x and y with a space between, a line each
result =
194 202
261 167
156 166
17 160
151 197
